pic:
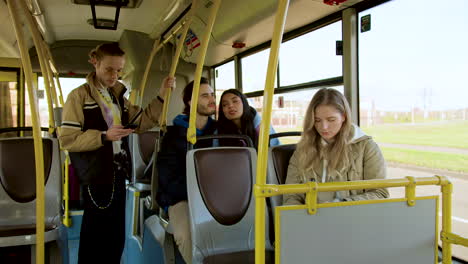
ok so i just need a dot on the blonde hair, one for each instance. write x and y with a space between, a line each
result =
310 149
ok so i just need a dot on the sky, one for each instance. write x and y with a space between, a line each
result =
415 55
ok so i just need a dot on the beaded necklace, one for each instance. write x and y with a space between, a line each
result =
106 98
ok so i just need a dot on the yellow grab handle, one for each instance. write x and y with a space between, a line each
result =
175 61
38 152
192 131
265 129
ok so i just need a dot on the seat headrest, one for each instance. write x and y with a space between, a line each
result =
146 141
281 156
225 180
18 167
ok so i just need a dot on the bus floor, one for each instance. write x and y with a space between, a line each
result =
138 249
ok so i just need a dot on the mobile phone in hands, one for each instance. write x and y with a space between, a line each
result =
130 126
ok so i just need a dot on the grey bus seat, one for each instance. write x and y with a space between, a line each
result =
18 190
278 163
222 205
142 147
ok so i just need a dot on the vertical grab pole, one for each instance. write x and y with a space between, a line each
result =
51 76
38 152
447 190
155 49
66 197
192 133
175 61
37 39
264 131
59 87
55 73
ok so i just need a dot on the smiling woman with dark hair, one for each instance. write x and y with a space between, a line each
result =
236 116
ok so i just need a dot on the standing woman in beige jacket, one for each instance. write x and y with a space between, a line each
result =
332 149
97 120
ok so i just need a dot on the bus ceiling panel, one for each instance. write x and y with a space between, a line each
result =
69 21
38 15
8 44
70 56
250 22
167 13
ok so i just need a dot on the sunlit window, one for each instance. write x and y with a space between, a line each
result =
413 94
254 68
67 84
311 57
8 100
224 79
288 111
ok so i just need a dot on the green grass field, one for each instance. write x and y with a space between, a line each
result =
452 134
449 134
435 160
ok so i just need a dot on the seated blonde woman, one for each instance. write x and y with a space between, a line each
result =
332 149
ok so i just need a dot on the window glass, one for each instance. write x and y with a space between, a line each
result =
254 69
224 79
8 100
413 94
288 110
311 57
67 85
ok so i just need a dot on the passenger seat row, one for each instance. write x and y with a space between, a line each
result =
221 201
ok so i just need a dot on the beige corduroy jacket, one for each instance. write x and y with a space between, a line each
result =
367 163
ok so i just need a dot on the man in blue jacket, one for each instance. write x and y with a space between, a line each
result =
171 163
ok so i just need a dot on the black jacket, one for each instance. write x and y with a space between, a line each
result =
96 166
171 164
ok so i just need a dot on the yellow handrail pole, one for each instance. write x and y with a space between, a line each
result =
175 61
447 189
38 153
155 49
59 86
192 131
457 240
66 197
280 20
270 190
42 62
55 72
53 91
51 70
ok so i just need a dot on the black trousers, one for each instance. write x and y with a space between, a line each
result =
102 236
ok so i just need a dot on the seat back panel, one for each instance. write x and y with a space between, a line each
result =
384 233
18 169
18 214
225 182
210 237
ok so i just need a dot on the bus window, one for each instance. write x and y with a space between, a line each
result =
224 79
311 57
413 94
67 84
288 110
254 69
8 99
